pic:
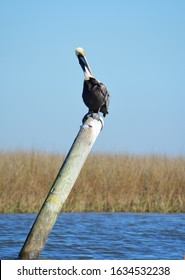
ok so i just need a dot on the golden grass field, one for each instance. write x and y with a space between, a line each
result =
114 183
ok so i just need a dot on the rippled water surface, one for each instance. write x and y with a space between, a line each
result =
100 236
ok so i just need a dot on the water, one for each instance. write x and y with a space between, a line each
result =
100 236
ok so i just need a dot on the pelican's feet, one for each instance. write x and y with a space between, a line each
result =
95 116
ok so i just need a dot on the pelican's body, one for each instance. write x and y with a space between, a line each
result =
95 94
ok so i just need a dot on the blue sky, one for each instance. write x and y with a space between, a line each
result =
137 48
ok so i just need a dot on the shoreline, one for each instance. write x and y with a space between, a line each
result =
107 183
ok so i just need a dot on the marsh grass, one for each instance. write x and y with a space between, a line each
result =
115 183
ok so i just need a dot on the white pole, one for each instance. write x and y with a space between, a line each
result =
60 189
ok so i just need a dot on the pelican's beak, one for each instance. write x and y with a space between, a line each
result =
83 62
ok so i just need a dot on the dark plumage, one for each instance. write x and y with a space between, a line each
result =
95 94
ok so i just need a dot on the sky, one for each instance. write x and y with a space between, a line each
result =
135 47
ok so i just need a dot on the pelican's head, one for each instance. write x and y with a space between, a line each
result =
79 51
83 62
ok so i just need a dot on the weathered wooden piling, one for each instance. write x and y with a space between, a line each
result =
60 189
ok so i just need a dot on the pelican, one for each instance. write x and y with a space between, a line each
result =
95 94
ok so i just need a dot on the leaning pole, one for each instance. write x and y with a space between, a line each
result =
60 189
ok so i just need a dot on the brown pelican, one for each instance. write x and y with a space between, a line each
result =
95 94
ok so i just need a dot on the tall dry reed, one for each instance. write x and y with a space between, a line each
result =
116 183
